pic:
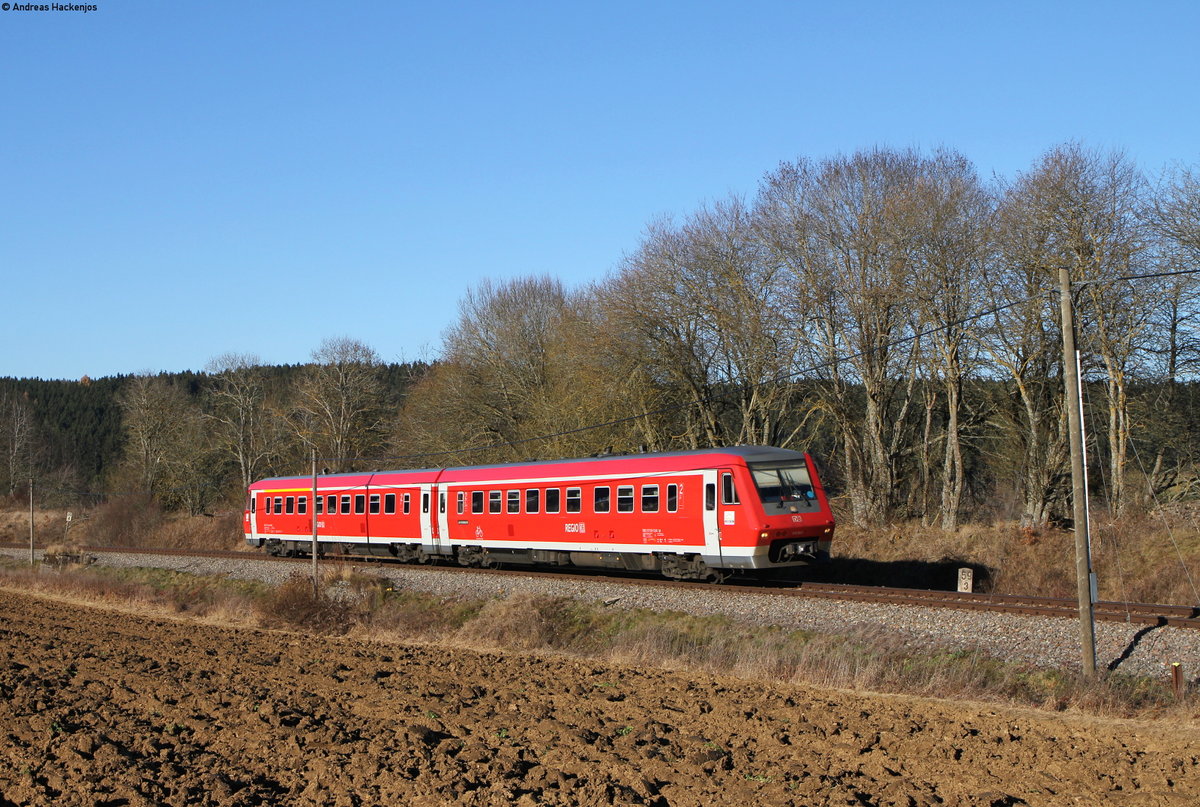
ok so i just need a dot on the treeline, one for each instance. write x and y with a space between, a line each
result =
192 441
890 311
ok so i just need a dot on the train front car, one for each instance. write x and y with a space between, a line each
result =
773 510
693 515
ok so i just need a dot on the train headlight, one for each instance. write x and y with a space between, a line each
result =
764 535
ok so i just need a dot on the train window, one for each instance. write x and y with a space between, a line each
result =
331 505
267 505
574 500
728 491
301 504
289 504
278 505
477 501
320 502
346 505
710 496
442 502
462 502
625 499
533 501
495 499
375 504
407 503
672 498
360 503
250 507
600 499
649 498
514 501
424 502
552 497
785 489
389 503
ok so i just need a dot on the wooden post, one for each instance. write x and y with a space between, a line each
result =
31 521
313 510
1071 399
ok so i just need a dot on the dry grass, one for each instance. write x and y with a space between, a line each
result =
347 602
1146 558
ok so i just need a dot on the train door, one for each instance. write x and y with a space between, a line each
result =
252 523
428 529
443 519
712 525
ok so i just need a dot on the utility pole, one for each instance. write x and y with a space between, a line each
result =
313 511
1072 400
31 521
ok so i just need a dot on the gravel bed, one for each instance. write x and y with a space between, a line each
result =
1044 641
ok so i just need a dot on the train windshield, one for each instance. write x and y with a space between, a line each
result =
785 488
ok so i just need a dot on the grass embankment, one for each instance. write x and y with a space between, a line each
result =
365 606
1152 557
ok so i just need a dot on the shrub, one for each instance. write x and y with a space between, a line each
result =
296 604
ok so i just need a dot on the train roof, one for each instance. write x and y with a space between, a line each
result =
748 454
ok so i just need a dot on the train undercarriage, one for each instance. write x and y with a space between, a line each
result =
676 566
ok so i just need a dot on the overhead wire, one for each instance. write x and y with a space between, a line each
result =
742 388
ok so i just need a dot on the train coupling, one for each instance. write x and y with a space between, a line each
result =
794 551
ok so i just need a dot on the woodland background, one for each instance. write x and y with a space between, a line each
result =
890 311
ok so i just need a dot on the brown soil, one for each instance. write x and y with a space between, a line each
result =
103 708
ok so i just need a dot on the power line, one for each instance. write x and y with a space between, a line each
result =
742 388
739 389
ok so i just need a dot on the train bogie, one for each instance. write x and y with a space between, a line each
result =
689 515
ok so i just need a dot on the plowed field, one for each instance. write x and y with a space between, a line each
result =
103 708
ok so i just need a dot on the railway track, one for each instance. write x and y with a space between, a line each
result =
1179 616
1152 614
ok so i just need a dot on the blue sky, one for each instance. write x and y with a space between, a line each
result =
186 178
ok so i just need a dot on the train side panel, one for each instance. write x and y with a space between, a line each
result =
742 508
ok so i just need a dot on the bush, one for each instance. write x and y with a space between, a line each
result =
125 521
530 622
296 604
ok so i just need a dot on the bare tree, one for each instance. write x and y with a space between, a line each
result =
167 453
847 230
668 337
1084 207
339 405
242 424
952 248
520 370
1175 211
1173 215
702 304
18 440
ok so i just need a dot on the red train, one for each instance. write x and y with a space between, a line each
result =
687 514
